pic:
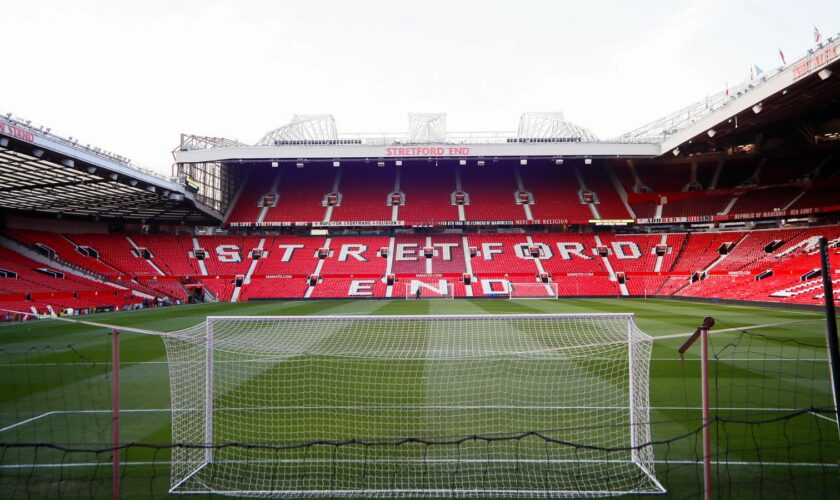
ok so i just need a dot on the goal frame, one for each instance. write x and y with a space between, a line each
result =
551 288
636 448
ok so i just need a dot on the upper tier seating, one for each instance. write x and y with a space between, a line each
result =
665 177
609 204
555 189
428 192
735 172
492 193
257 185
765 200
701 205
301 193
782 169
364 192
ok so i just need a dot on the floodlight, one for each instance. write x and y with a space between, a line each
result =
398 163
4 142
67 162
523 161
462 162
113 176
558 161
380 164
299 164
480 163
336 163
587 161
824 74
711 132
133 182
757 108
676 151
275 164
91 170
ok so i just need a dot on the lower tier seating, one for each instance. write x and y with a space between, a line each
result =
722 264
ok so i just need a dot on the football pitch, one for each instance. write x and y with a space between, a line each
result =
772 436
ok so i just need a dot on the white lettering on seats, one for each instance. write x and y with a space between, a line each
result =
288 251
626 249
354 250
229 253
446 249
361 288
490 249
406 251
569 249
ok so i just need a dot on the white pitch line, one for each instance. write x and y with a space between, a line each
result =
738 329
823 417
4 429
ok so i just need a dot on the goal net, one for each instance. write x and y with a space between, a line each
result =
439 289
533 290
420 406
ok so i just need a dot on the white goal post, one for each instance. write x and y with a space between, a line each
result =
439 289
533 290
530 405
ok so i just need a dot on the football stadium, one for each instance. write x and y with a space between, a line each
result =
432 313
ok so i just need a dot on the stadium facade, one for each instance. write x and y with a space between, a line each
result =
724 198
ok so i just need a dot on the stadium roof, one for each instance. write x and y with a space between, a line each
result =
548 134
42 173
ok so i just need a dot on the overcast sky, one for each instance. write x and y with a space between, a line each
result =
131 76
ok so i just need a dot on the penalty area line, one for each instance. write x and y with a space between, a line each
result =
28 420
738 329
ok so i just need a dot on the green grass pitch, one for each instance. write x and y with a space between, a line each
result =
53 394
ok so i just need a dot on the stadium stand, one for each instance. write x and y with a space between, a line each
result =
301 192
610 206
492 193
766 265
256 187
170 253
364 192
428 191
116 251
555 189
